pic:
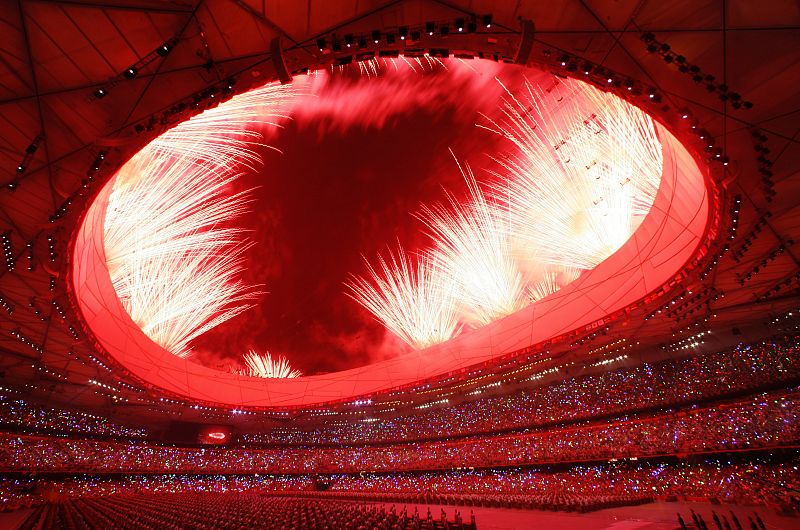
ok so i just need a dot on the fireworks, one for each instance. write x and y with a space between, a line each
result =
550 281
377 65
416 301
174 264
471 245
266 365
584 171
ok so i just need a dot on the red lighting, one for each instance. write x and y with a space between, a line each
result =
667 237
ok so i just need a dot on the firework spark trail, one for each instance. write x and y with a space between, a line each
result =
471 243
265 365
376 66
586 171
415 301
551 280
172 260
369 68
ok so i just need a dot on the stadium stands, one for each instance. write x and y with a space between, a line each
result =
766 420
605 321
692 428
670 383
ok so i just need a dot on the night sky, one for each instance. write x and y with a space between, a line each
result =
355 162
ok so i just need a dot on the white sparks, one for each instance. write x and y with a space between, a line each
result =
172 260
415 301
265 365
586 170
471 244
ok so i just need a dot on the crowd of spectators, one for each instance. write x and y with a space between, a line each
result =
748 481
18 414
566 444
663 384
229 512
765 420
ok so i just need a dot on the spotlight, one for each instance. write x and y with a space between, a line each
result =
460 24
11 185
587 68
348 40
164 49
403 32
20 169
376 36
429 28
321 44
100 93
629 84
487 21
130 73
564 60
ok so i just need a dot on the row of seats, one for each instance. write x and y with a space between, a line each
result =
751 478
567 502
219 511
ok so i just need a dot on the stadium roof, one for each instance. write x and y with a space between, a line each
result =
80 79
